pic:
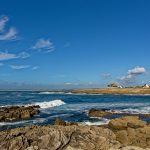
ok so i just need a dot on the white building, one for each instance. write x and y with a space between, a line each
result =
146 86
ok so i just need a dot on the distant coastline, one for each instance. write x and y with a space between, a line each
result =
121 91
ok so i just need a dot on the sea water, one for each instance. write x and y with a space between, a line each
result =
72 107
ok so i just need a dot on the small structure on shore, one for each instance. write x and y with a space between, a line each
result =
114 85
146 86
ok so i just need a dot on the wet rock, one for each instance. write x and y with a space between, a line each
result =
16 112
59 122
98 113
63 123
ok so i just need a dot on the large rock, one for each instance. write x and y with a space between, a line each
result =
58 138
64 123
131 131
127 133
125 122
17 112
130 148
137 137
98 113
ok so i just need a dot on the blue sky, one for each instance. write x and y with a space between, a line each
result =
74 43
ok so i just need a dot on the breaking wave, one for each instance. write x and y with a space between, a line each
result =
42 105
102 121
50 104
140 110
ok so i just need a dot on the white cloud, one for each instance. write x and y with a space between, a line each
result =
68 83
3 21
6 34
1 64
23 55
131 77
44 45
11 34
137 71
8 56
128 77
18 67
35 67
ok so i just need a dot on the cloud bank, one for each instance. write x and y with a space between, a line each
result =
43 45
137 71
3 21
18 67
131 77
7 56
7 34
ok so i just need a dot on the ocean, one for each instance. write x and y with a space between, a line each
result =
72 107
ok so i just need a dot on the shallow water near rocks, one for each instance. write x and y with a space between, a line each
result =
72 107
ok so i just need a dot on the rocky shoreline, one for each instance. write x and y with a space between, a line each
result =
126 133
14 113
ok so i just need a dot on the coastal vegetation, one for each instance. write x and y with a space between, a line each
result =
114 90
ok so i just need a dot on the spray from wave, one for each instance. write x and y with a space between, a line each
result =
43 105
50 104
102 121
140 110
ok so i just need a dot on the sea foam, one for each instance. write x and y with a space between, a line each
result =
49 104
47 93
140 110
102 121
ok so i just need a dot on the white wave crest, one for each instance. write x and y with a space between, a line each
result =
102 121
42 105
25 122
140 110
50 104
51 93
12 123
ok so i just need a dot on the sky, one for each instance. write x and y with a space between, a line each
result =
74 43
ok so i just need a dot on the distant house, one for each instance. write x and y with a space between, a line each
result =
146 86
114 85
120 86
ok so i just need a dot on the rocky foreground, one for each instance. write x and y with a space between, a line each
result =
14 113
126 133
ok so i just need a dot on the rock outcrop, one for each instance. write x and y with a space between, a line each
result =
130 148
107 112
17 112
64 123
126 122
131 131
98 113
58 138
126 133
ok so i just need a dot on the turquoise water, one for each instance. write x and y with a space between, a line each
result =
72 107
